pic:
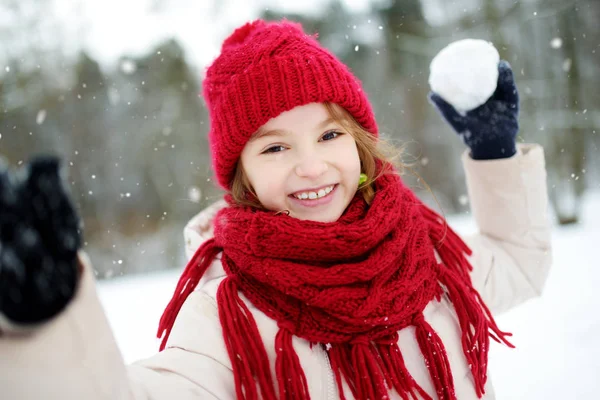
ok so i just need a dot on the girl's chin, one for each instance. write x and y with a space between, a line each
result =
317 217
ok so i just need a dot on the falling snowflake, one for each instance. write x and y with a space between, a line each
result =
41 117
194 194
556 43
128 67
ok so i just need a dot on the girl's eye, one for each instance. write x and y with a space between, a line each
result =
274 149
330 135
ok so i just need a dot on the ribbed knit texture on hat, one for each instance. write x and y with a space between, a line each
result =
264 69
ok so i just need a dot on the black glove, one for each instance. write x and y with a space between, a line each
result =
490 130
39 239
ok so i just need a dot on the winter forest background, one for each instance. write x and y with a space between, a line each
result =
113 86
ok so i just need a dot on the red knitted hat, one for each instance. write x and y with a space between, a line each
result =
264 69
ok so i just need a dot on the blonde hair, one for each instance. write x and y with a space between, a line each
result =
371 151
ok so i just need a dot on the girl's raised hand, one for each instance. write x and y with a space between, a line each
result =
490 130
475 92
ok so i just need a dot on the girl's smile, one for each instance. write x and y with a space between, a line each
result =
315 197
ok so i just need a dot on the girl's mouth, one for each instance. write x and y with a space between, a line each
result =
315 197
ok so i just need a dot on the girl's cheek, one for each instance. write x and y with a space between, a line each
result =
349 157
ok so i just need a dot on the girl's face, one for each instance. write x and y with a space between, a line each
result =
303 162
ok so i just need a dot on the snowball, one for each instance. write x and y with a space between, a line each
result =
465 73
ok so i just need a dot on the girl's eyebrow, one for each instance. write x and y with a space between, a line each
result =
282 132
273 132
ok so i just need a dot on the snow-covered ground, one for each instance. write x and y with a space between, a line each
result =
558 347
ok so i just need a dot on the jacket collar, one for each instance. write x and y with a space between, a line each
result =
200 228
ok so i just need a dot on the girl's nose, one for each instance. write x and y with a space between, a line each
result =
311 167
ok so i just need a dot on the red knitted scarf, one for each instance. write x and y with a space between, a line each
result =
349 286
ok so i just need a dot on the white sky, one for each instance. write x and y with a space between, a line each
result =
108 29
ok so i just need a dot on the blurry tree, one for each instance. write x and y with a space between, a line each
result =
156 156
409 49
557 69
569 150
134 140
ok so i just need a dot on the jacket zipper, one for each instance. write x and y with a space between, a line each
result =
330 394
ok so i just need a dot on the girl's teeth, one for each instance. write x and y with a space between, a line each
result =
315 195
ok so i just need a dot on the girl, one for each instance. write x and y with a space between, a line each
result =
321 275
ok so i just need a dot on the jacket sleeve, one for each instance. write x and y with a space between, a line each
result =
512 250
75 356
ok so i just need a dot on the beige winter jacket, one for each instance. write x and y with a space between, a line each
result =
75 355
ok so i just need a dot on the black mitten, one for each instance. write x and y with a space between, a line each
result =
39 238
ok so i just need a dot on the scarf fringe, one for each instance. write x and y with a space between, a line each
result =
341 367
244 344
446 241
188 281
436 359
395 370
475 319
368 378
476 327
367 367
290 375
